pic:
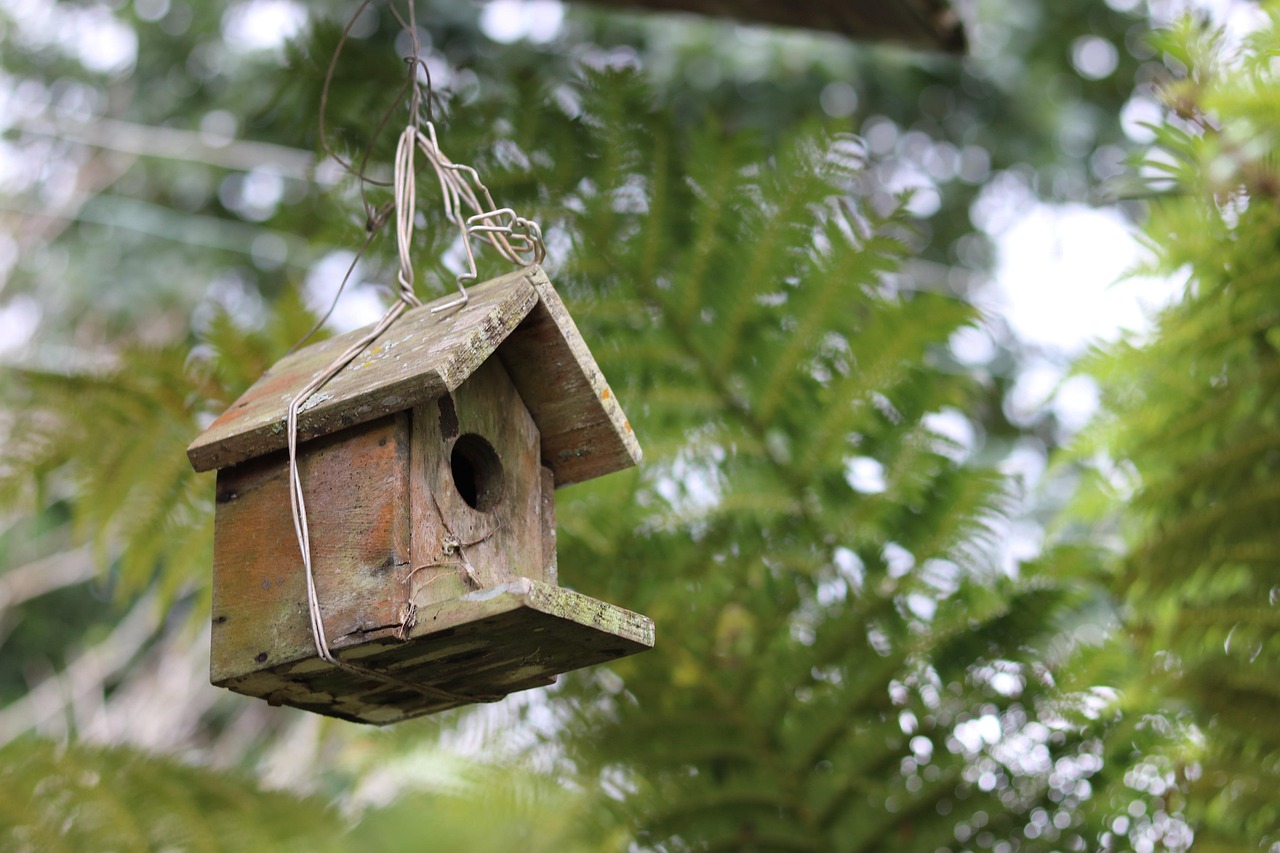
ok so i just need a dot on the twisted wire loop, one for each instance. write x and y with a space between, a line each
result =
406 191
515 238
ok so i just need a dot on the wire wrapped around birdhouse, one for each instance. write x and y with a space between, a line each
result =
419 457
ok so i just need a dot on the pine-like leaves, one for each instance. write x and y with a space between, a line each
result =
820 633
839 667
1191 448
111 443
72 798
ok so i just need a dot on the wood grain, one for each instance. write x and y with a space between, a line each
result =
356 486
585 433
481 646
426 567
500 544
519 316
419 358
550 565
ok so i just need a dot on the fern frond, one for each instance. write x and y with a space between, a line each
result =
79 797
116 439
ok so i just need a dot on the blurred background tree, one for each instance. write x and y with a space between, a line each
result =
1181 470
777 243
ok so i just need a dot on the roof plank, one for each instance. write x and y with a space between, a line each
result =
517 316
584 431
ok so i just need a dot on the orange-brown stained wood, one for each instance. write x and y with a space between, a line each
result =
356 487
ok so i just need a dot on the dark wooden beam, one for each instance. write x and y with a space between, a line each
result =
925 24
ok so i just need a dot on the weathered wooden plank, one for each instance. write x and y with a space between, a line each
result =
929 24
429 482
584 431
420 357
481 646
477 493
356 486
632 630
550 565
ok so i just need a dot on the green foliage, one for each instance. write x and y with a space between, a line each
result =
483 806
110 444
817 645
1191 449
841 663
74 798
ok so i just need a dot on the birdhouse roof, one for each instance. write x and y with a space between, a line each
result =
518 316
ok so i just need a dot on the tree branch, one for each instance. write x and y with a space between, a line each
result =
43 576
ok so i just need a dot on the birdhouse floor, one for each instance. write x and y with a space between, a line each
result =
479 647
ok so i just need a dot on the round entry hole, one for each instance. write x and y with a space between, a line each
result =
477 472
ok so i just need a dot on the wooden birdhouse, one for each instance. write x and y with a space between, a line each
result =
428 466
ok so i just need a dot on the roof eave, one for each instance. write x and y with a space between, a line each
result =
517 316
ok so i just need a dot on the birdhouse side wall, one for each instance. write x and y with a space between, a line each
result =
356 487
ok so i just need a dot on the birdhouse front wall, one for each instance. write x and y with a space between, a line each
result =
476 483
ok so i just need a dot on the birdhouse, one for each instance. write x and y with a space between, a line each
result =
428 466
